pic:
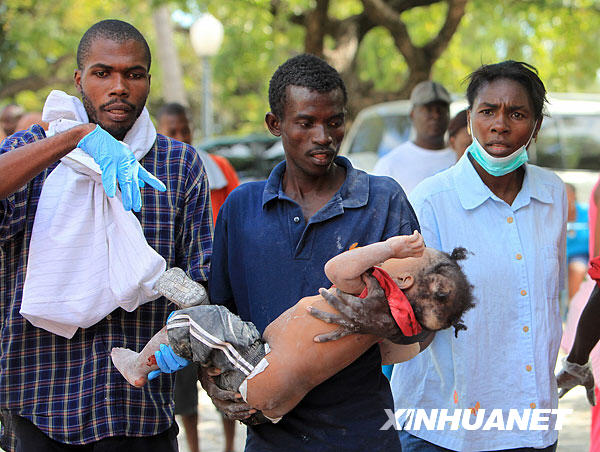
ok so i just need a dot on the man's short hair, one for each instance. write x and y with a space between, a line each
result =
308 71
171 109
115 30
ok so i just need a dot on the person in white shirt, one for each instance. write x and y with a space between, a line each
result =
413 161
459 137
512 217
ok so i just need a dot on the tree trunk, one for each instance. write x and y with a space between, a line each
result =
172 84
348 34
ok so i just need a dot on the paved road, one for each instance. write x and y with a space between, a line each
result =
574 437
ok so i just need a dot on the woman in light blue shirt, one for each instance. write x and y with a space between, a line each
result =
512 217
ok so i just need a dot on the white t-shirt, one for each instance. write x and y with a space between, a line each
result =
409 164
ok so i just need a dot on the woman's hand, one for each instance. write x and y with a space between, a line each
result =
406 245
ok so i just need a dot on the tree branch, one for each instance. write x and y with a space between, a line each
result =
36 81
384 15
404 5
316 26
456 11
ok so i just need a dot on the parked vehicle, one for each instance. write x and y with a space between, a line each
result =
253 156
568 142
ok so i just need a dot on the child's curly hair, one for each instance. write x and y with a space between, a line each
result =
453 299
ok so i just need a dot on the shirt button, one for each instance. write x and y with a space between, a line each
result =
523 292
108 317
509 219
519 257
528 368
296 219
532 405
525 329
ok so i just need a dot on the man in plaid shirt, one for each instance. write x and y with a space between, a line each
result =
57 392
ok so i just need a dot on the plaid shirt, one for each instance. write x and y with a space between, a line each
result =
69 388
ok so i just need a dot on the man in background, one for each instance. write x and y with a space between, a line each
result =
459 138
427 154
222 179
9 117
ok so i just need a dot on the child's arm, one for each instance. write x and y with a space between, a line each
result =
296 363
345 269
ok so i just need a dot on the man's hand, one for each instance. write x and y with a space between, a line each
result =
370 315
406 245
229 403
117 162
572 375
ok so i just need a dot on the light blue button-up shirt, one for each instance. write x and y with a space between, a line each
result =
507 356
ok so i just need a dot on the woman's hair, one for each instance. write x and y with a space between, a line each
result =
445 283
523 73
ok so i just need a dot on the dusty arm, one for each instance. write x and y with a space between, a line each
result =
345 269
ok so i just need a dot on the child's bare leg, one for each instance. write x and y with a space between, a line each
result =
134 366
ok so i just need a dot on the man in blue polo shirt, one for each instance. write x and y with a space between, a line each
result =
272 239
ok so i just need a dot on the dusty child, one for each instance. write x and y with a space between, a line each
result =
425 290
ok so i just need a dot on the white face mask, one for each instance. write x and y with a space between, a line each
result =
498 166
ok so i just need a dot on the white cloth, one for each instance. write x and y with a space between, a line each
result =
260 367
87 255
408 164
216 178
517 266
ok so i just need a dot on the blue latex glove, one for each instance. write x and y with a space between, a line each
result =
168 361
117 162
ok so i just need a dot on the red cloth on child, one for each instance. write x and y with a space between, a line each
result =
399 306
594 270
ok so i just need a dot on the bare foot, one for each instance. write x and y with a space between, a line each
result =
135 366
127 362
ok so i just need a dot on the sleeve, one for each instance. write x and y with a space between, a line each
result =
427 219
401 218
194 240
219 284
562 251
230 175
13 208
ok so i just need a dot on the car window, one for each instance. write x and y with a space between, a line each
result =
569 142
546 151
580 140
253 158
380 134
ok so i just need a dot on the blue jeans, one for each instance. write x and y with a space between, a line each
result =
411 443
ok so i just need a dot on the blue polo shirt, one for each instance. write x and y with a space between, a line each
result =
266 258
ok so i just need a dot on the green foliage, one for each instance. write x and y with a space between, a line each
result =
559 37
561 41
37 33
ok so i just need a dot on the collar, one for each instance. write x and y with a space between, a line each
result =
472 192
353 193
